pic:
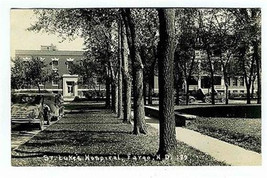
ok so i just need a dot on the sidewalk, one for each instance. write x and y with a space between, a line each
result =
220 150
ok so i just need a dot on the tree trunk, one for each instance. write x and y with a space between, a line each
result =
126 79
107 94
226 84
187 92
119 71
114 92
248 81
258 70
168 142
150 89
211 77
139 112
107 91
127 101
247 75
39 89
144 92
151 77
252 89
188 79
212 89
248 95
120 111
137 70
226 95
143 58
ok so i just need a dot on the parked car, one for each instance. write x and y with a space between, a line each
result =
182 99
35 108
53 106
218 97
27 109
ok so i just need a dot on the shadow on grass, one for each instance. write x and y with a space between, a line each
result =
88 123
69 143
64 131
24 127
49 139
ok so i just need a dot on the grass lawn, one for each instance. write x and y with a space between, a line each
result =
98 138
245 133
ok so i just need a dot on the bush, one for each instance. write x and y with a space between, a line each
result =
93 94
77 98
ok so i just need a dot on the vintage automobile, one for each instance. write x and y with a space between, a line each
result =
35 108
182 99
218 97
206 97
53 106
27 109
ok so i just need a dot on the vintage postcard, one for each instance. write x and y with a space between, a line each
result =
176 86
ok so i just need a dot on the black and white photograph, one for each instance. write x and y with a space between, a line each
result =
135 87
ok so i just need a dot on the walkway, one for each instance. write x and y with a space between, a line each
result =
220 150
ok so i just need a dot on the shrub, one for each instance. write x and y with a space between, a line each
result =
94 94
77 98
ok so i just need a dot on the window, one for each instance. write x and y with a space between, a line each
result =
69 62
55 78
217 67
234 81
55 63
217 80
205 82
241 81
55 82
193 81
197 54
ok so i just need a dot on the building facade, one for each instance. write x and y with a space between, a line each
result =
57 61
201 80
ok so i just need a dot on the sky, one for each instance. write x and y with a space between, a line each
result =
21 39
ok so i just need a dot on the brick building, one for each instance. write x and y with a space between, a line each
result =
58 61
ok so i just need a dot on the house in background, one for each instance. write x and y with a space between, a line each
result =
202 79
58 61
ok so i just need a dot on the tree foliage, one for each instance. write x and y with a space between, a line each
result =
28 73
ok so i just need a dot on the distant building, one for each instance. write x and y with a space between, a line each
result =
202 80
59 62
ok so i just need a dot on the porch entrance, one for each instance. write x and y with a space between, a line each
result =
70 86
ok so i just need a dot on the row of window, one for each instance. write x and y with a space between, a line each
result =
235 81
68 62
